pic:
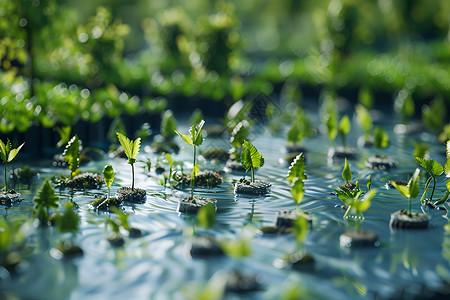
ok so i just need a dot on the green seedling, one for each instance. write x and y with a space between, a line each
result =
170 161
72 155
434 169
206 215
411 190
64 135
380 138
7 154
108 176
195 139
332 125
344 128
131 149
364 120
347 172
365 97
251 158
295 176
355 203
44 201
168 125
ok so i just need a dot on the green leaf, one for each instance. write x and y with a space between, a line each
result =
108 175
403 189
250 157
344 125
332 126
431 166
364 119
169 159
380 138
168 124
369 183
413 184
346 172
298 190
64 135
131 148
239 134
301 227
447 162
206 215
294 134
297 168
3 153
123 217
13 152
196 133
44 200
68 221
72 154
364 204
186 138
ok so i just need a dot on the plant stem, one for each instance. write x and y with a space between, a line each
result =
132 178
193 174
434 186
347 212
253 174
109 192
6 182
409 206
425 190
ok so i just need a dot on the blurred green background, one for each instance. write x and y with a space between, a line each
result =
62 61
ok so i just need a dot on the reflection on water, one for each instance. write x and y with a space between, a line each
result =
158 265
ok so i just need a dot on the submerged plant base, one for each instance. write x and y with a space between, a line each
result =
402 219
252 188
67 250
103 204
378 162
238 282
203 246
192 205
286 218
339 153
80 182
8 198
116 241
217 153
131 195
164 146
361 238
208 179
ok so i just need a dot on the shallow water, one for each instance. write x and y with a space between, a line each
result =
158 265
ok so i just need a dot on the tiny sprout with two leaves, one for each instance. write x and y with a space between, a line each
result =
251 158
411 190
7 154
295 176
195 139
131 149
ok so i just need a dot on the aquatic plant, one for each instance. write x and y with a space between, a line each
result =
380 138
364 120
206 215
295 176
64 135
131 149
434 169
71 155
68 220
344 128
355 203
108 176
44 200
195 139
170 161
251 159
411 190
7 154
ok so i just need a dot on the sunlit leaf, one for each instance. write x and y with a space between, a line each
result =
297 168
447 162
380 138
196 133
169 159
131 148
108 175
250 156
346 172
413 184
298 190
239 134
332 126
345 125
186 138
72 154
403 189
364 119
431 166
364 204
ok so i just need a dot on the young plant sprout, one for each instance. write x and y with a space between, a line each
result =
411 190
72 156
364 120
195 139
44 200
434 169
251 159
170 161
7 154
108 175
344 128
380 138
131 149
295 176
64 135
